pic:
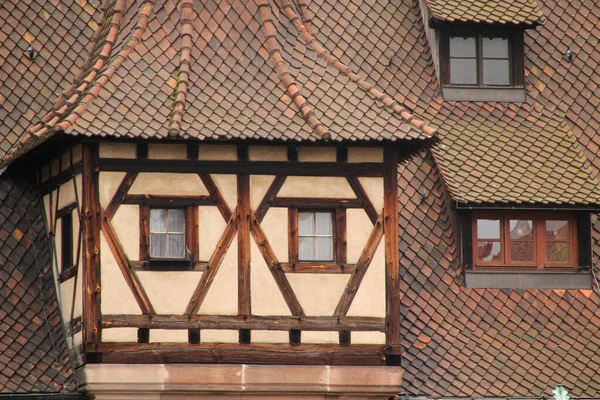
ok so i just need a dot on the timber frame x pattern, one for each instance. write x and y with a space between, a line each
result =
246 223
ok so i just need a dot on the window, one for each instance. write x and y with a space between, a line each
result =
66 241
315 236
168 234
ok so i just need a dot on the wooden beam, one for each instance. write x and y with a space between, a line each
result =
271 260
313 202
62 178
123 262
292 237
91 262
167 200
363 199
267 201
120 194
341 239
390 228
192 234
316 267
249 167
243 236
253 322
216 196
213 266
144 232
232 353
361 269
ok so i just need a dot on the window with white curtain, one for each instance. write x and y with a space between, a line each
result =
167 233
315 236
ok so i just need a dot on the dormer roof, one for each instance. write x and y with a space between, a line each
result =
524 12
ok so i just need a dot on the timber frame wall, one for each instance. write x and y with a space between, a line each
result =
244 222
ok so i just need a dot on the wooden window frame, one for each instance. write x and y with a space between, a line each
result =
67 260
539 240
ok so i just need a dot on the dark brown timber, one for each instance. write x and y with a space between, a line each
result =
216 196
363 199
309 202
341 245
192 233
295 336
124 187
144 232
60 179
316 268
292 236
243 236
345 338
167 201
267 201
361 269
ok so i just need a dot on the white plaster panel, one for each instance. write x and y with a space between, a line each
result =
217 152
66 298
227 185
77 153
119 335
374 190
358 229
266 296
370 297
275 227
47 208
76 339
65 160
169 291
259 184
116 295
108 184
317 154
54 167
365 154
219 336
79 188
316 186
117 150
167 184
211 226
57 258
318 294
162 151
368 338
168 336
126 223
267 153
222 298
320 337
66 194
270 337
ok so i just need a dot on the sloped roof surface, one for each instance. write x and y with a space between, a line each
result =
33 350
486 11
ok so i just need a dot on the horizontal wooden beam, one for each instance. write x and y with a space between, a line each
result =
308 202
248 167
145 265
273 323
62 178
233 353
316 268
168 201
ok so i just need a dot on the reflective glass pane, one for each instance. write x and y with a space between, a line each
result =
306 223
306 248
176 221
496 72
176 246
488 228
158 220
557 230
324 223
521 229
158 245
324 249
462 46
522 251
495 47
558 252
489 251
463 71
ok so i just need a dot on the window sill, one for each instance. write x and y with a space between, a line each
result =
527 280
318 268
67 274
499 94
168 265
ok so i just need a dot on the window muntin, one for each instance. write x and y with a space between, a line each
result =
167 233
315 236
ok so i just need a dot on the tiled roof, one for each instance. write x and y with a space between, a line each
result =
33 350
487 11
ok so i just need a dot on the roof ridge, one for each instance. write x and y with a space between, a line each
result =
311 39
284 74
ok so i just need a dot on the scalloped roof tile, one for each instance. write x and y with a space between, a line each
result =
524 12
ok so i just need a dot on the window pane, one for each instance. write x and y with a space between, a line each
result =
306 247
557 230
462 46
522 251
176 221
324 249
463 71
521 229
558 252
488 228
324 225
158 220
158 245
496 72
495 47
489 251
176 246
306 223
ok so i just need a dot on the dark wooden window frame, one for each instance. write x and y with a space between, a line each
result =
67 262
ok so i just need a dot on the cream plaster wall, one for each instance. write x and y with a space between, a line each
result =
126 223
65 160
67 192
119 335
107 186
211 226
374 189
168 336
320 337
167 151
270 337
275 227
318 154
116 297
227 185
222 297
266 296
370 297
215 152
169 291
316 186
66 299
167 184
219 336
368 338
318 294
365 154
267 153
77 153
259 184
54 167
117 150
358 229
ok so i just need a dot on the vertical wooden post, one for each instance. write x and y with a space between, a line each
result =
91 263
390 229
243 234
